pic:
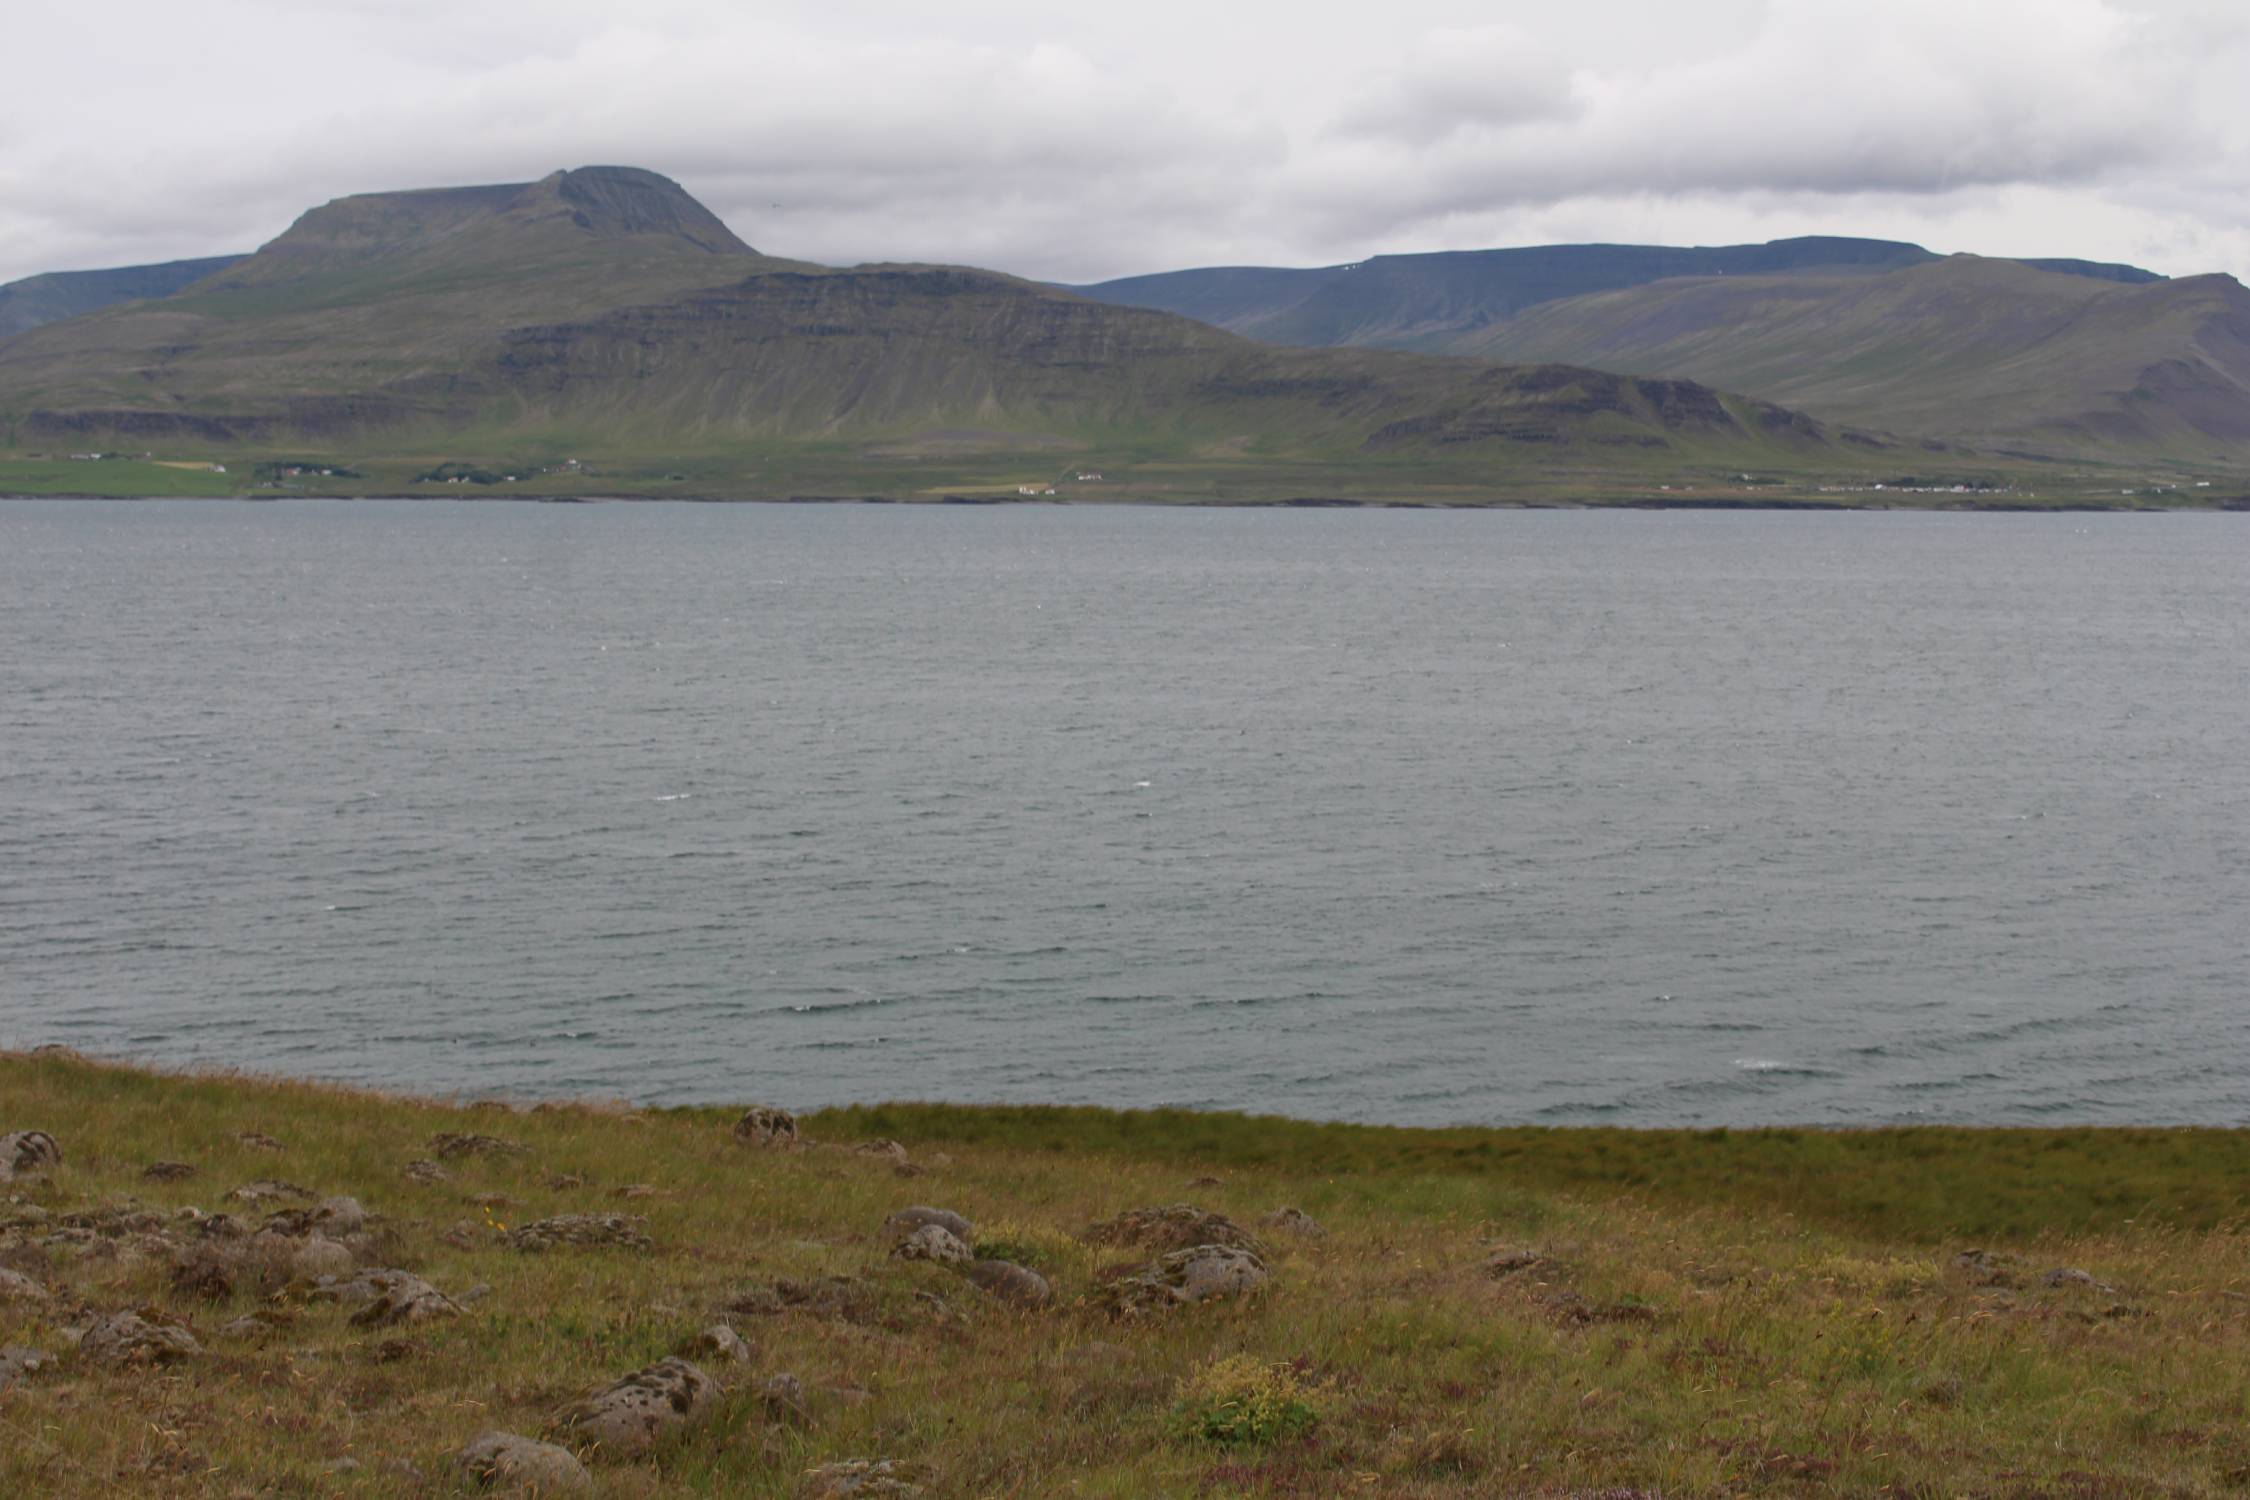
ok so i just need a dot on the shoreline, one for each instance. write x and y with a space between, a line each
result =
2227 506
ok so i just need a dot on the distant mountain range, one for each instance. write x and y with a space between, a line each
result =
26 304
2054 356
604 309
604 312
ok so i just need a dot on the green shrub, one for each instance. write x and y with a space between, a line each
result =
1243 1399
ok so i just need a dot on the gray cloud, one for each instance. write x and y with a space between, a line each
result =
1077 146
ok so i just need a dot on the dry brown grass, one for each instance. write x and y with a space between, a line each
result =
1657 1349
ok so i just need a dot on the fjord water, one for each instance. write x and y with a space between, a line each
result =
1644 818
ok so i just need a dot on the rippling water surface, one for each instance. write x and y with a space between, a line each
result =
1638 818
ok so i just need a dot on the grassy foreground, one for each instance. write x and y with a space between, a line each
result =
1750 1313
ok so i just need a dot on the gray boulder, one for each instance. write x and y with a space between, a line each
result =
905 1221
1294 1221
628 1417
28 1153
1018 1286
933 1242
1201 1273
17 1287
524 1464
127 1338
764 1125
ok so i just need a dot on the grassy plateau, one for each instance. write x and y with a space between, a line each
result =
1540 1313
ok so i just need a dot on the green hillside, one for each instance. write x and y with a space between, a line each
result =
605 312
1988 352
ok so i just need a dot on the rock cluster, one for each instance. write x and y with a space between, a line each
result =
1176 1226
857 1479
628 1231
387 1298
933 1242
1179 1278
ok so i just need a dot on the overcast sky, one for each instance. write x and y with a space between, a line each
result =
1072 143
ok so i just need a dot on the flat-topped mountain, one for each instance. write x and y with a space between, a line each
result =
605 307
557 217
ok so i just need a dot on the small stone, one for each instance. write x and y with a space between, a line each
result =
526 1464
563 1182
1018 1286
268 1190
626 1231
168 1171
782 1398
1508 1260
344 1465
475 1294
17 1287
461 1235
129 1338
427 1172
717 1342
857 1479
257 1142
765 1126
638 1190
16 1362
628 1417
2071 1276
905 1221
248 1326
933 1242
1294 1221
890 1151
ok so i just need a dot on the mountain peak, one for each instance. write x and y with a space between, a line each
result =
614 201
503 223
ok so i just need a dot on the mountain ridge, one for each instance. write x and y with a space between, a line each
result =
606 308
1423 300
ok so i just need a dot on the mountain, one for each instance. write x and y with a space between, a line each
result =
28 303
604 309
1426 301
1996 353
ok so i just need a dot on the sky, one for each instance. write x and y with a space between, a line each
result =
1075 143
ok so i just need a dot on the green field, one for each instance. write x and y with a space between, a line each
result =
1475 1312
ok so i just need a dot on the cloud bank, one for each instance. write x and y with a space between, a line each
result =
1079 147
